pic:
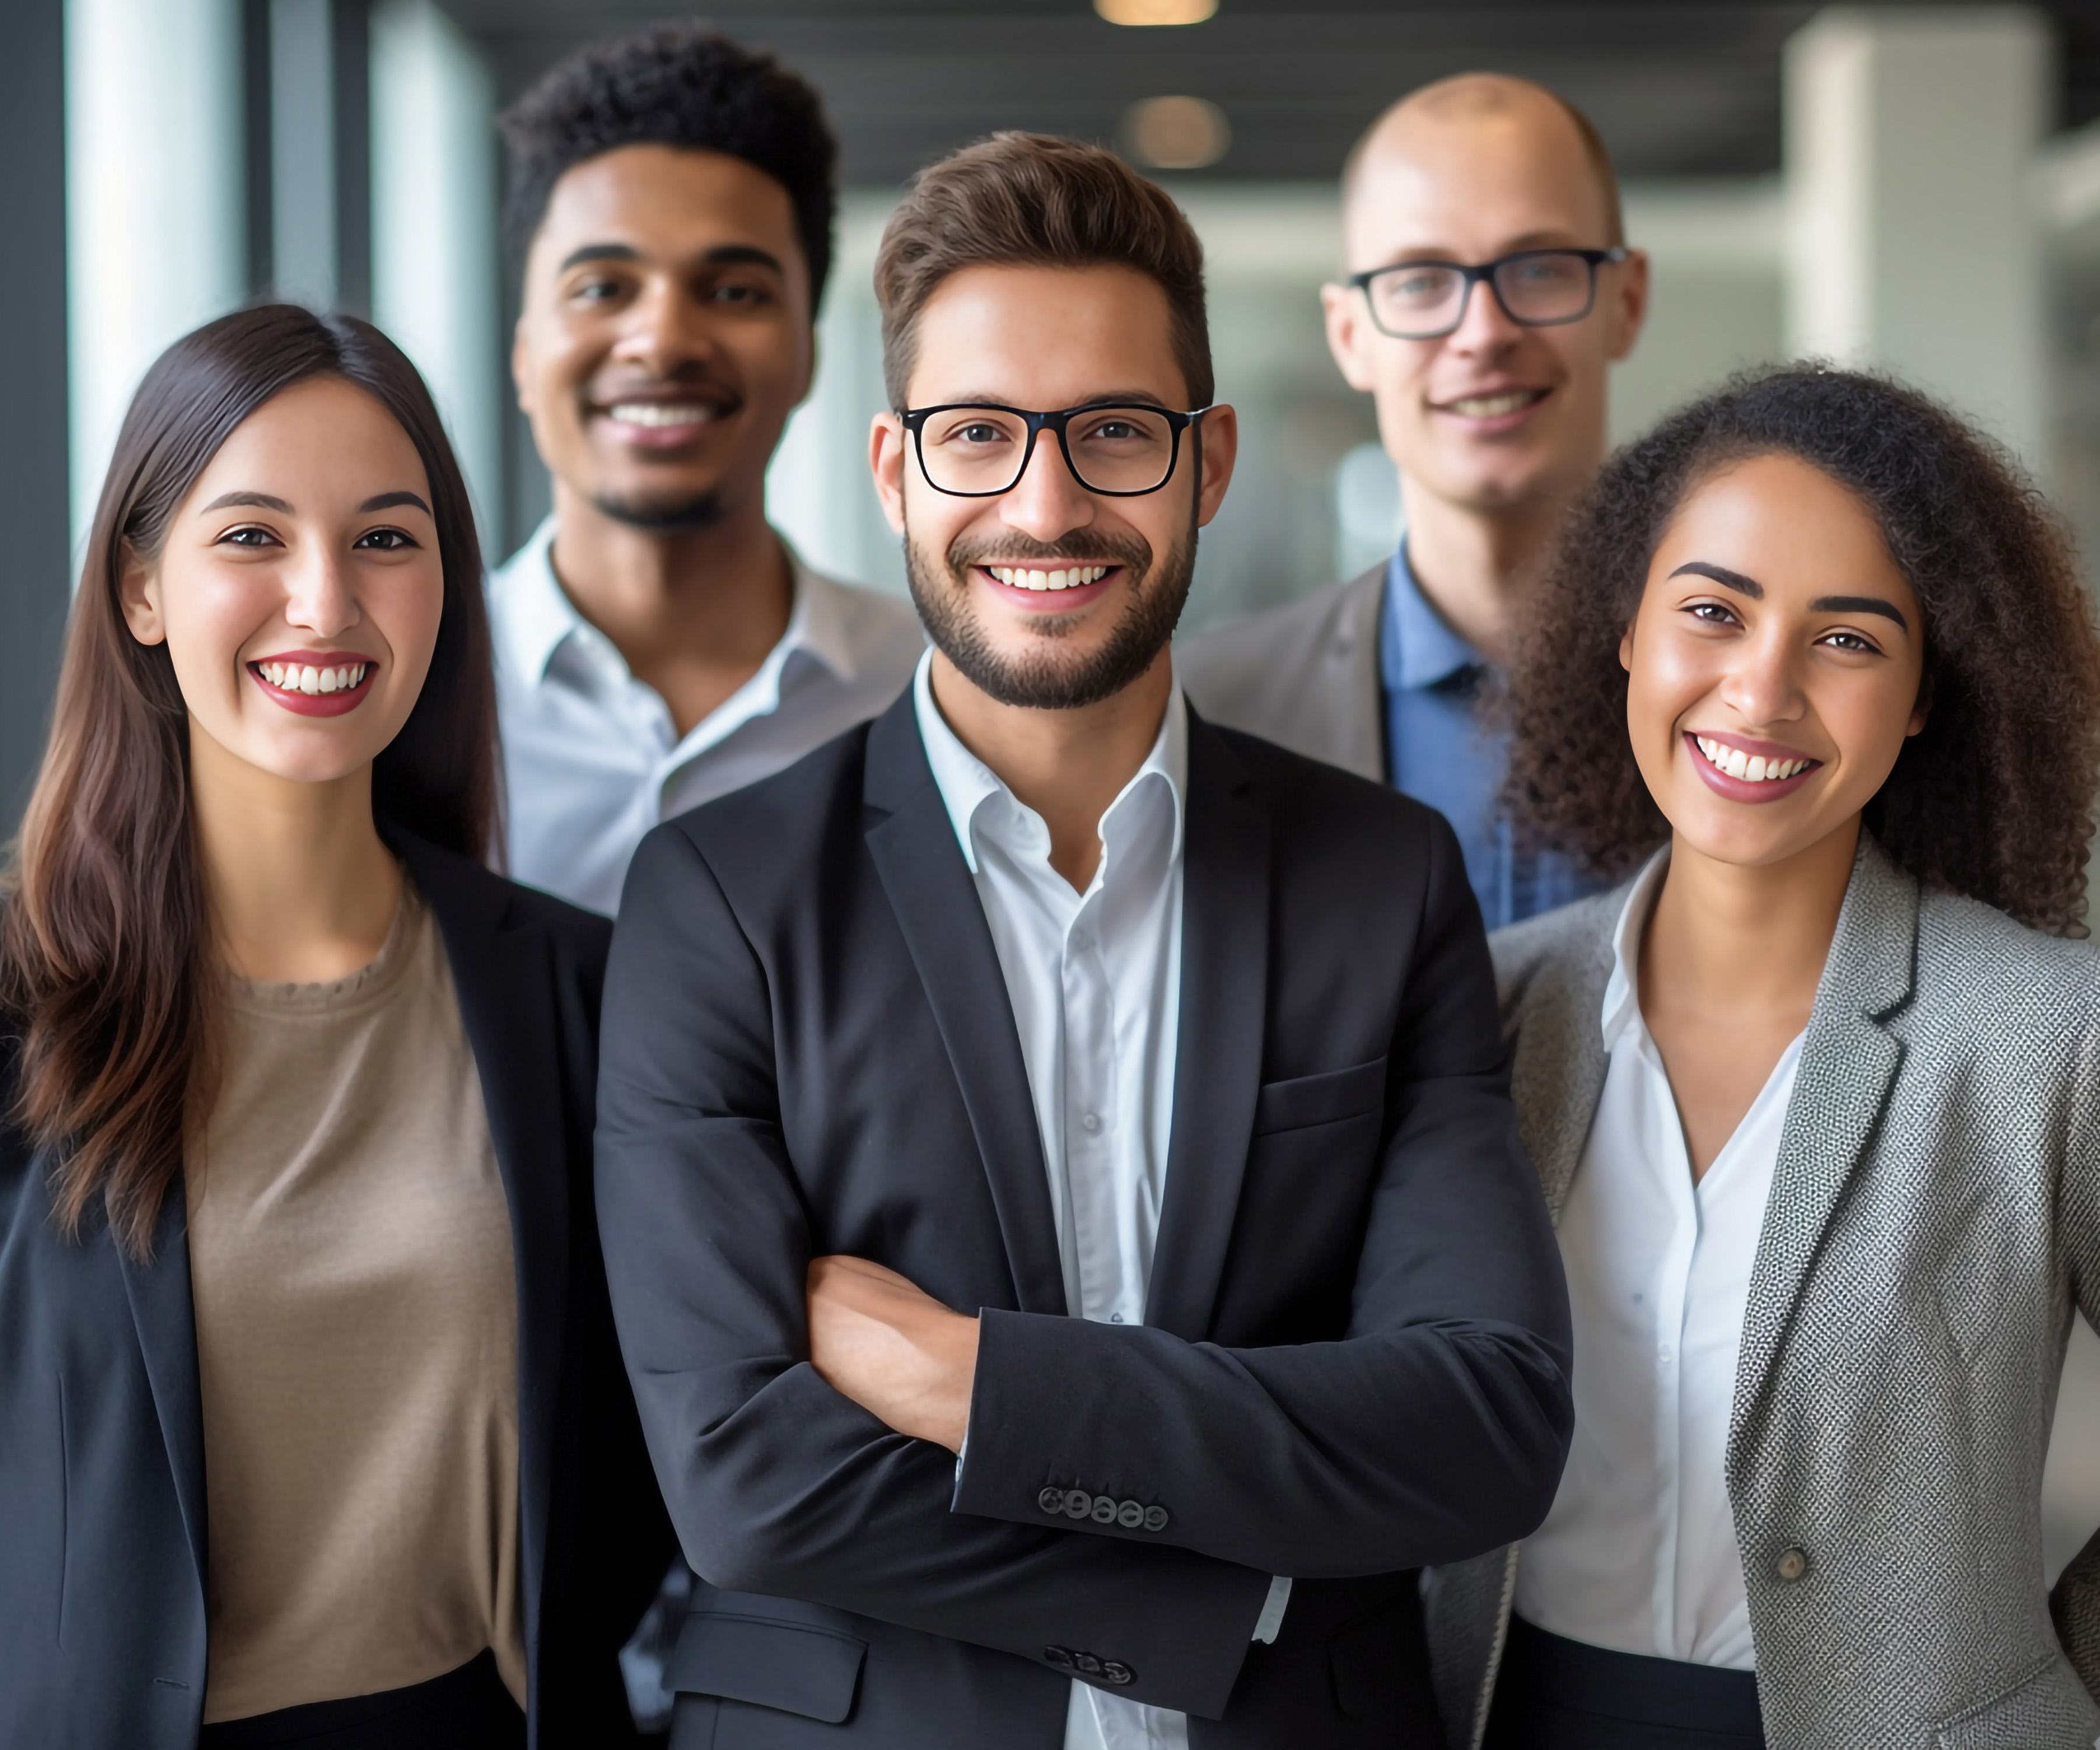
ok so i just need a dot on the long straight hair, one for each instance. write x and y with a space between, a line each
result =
108 965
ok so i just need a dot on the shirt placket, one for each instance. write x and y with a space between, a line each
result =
1089 1106
1670 1158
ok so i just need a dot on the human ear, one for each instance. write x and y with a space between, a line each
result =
1629 306
1344 312
887 442
1219 449
138 591
1627 648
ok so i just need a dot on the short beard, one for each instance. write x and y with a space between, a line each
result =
663 516
1038 681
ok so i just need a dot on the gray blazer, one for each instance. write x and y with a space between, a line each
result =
1304 676
1935 1215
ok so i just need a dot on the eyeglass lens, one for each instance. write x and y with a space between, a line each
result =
1428 299
1112 449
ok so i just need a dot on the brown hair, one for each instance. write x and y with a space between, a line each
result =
1032 200
1993 797
106 967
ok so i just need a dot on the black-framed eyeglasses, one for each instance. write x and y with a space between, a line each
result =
1540 288
978 449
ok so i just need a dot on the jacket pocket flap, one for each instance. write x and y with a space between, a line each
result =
1324 1099
811 1672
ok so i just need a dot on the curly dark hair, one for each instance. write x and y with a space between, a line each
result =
679 84
1994 797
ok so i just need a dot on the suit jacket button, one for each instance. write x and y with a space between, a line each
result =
1793 1565
1155 1519
1116 1672
1130 1516
1052 1499
1059 1657
1087 1664
1078 1504
1105 1511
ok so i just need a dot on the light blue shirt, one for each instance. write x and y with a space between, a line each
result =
1442 749
592 759
1094 980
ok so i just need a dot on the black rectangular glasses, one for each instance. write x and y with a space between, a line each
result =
1539 289
980 449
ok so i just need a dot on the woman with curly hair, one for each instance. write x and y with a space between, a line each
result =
1815 1096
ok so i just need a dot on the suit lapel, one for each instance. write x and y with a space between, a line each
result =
1218 1056
1557 1076
159 1291
1849 1062
502 972
913 842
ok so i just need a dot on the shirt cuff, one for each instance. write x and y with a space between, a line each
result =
1271 1619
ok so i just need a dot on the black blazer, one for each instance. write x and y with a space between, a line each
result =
1355 1356
102 1532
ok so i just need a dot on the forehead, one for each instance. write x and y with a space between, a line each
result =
665 202
1788 525
325 432
1043 337
1474 184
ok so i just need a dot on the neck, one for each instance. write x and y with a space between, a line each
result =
301 889
1067 765
1726 940
694 612
1474 565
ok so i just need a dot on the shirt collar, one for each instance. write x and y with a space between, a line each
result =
966 784
1622 1006
1416 650
535 616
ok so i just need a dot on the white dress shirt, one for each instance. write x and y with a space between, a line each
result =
1638 1554
1095 982
592 759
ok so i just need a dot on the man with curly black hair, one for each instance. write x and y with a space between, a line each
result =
671 203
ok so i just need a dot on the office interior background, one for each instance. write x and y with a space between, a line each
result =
1913 186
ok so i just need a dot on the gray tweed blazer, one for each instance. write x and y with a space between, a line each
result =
1935 1215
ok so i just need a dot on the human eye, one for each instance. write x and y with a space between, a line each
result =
974 432
1854 643
745 293
384 540
1712 613
248 535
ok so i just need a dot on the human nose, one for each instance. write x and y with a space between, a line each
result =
1046 502
1484 327
659 332
1763 684
319 598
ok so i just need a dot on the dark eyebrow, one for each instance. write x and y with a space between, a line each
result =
388 501
1721 574
1861 604
260 501
725 255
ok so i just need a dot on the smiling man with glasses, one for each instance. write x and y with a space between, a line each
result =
1491 289
1061 1199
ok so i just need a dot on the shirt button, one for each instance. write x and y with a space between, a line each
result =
1082 940
1115 1318
1091 1123
1793 1565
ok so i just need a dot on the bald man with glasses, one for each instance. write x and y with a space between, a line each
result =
1491 289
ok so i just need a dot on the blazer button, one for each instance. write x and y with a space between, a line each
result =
1086 1664
1052 1499
1117 1672
1130 1516
1078 1504
1105 1511
1059 1657
1793 1565
1155 1519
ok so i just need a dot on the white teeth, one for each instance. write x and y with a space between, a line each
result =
301 677
649 413
1752 768
329 680
1493 407
1072 577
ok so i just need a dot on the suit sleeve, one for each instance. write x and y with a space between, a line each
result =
776 1483
1435 1428
2075 1604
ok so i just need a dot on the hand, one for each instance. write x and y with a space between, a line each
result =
880 1339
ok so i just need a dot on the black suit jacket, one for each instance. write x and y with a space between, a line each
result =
102 1532
1355 1354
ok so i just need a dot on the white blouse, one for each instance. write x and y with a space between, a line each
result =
1638 1554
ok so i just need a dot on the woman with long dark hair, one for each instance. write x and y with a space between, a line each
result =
1815 1096
312 1426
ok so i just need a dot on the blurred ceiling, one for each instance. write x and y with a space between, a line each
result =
1677 89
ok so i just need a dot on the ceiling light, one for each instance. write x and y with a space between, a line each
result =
1177 133
1155 12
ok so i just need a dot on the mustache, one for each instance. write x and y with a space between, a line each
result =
1130 550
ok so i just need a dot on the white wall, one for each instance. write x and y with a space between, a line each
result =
155 201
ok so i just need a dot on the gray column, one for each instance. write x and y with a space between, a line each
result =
34 592
1914 245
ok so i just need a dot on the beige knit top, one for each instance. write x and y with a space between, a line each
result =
357 1350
